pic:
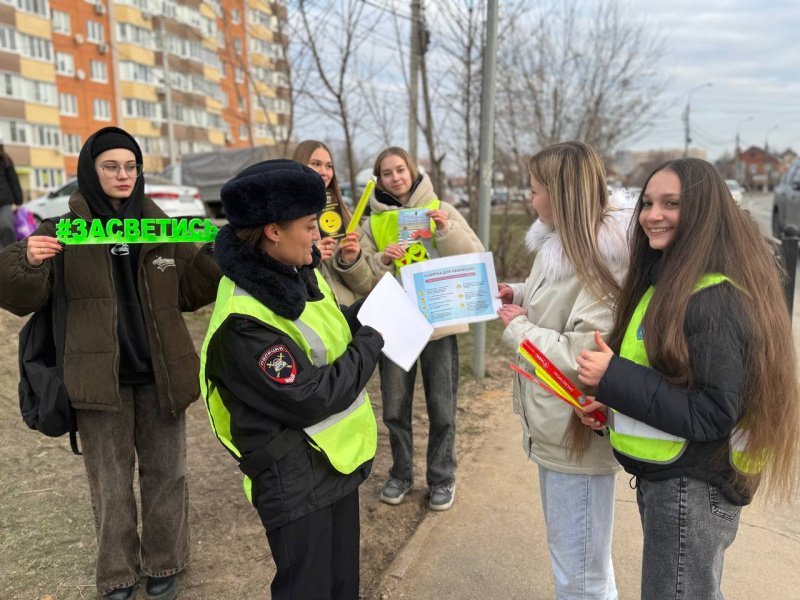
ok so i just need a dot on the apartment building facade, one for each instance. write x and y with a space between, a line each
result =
182 76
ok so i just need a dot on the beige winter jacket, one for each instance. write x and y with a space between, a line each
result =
343 294
561 321
456 238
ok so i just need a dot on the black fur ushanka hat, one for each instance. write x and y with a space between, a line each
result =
272 191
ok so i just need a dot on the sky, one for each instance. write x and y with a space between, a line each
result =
749 51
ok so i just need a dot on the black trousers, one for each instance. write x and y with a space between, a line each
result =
317 555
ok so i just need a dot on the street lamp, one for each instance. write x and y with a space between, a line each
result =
688 138
767 164
737 152
766 138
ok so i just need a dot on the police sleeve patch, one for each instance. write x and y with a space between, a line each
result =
278 364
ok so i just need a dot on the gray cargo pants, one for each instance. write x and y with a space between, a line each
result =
112 441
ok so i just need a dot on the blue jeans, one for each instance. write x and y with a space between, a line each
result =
688 524
579 515
439 365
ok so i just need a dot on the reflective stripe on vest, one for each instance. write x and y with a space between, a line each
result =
627 435
385 231
348 439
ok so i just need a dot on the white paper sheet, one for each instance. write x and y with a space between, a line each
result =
390 311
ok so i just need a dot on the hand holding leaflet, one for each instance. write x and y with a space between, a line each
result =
548 376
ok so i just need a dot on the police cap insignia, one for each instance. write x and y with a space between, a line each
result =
278 364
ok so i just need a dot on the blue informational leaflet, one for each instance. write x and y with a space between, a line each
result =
454 290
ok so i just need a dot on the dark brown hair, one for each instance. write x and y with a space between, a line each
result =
302 154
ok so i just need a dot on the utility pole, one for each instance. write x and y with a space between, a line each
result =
687 138
485 169
413 80
173 156
686 134
737 174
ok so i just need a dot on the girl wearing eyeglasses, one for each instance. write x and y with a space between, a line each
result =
129 364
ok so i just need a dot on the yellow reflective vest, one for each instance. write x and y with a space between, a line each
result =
643 442
348 439
385 230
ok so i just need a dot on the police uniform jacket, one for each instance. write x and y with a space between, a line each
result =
262 403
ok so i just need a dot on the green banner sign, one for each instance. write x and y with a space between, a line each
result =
135 231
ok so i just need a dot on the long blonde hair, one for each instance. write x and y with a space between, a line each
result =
574 176
714 235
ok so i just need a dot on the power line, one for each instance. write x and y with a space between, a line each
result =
391 11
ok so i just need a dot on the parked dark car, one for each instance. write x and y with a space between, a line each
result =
786 200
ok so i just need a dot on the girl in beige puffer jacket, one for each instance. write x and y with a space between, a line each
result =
580 250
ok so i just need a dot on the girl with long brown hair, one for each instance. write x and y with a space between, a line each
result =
579 241
700 372
334 218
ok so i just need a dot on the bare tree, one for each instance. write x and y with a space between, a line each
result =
566 74
459 27
333 34
260 88
436 159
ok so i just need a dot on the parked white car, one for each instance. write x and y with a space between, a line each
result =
736 190
177 201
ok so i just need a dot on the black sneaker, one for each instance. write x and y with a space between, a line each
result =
122 594
161 588
442 496
394 491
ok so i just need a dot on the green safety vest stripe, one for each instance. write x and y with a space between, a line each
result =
385 231
628 436
349 438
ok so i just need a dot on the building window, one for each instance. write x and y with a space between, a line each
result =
98 71
236 16
68 105
49 178
8 39
239 75
237 45
72 144
95 32
101 110
65 64
243 133
37 7
10 85
34 47
41 92
18 132
61 22
46 136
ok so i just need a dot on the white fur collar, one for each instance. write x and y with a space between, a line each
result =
612 239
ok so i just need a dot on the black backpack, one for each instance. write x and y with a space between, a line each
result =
43 399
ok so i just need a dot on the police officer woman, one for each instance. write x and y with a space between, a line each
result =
283 376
